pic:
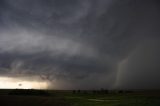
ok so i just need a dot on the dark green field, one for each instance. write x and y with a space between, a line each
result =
83 98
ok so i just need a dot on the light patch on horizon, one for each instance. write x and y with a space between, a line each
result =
15 83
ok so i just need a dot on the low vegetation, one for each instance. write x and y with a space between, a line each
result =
101 97
27 92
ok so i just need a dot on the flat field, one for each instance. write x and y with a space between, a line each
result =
68 98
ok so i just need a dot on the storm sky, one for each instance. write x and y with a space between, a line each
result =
82 44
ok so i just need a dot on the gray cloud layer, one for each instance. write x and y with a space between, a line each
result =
81 43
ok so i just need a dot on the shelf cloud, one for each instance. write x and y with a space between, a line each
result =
81 44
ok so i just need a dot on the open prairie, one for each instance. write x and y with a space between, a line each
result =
82 98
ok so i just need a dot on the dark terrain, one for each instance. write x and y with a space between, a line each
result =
78 98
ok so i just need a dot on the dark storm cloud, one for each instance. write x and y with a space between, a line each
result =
141 69
80 43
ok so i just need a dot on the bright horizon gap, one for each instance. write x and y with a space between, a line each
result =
17 83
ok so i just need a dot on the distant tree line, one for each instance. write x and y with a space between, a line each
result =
29 92
101 91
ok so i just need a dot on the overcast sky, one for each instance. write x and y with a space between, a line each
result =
82 44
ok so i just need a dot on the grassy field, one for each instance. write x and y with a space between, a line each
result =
113 99
68 98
